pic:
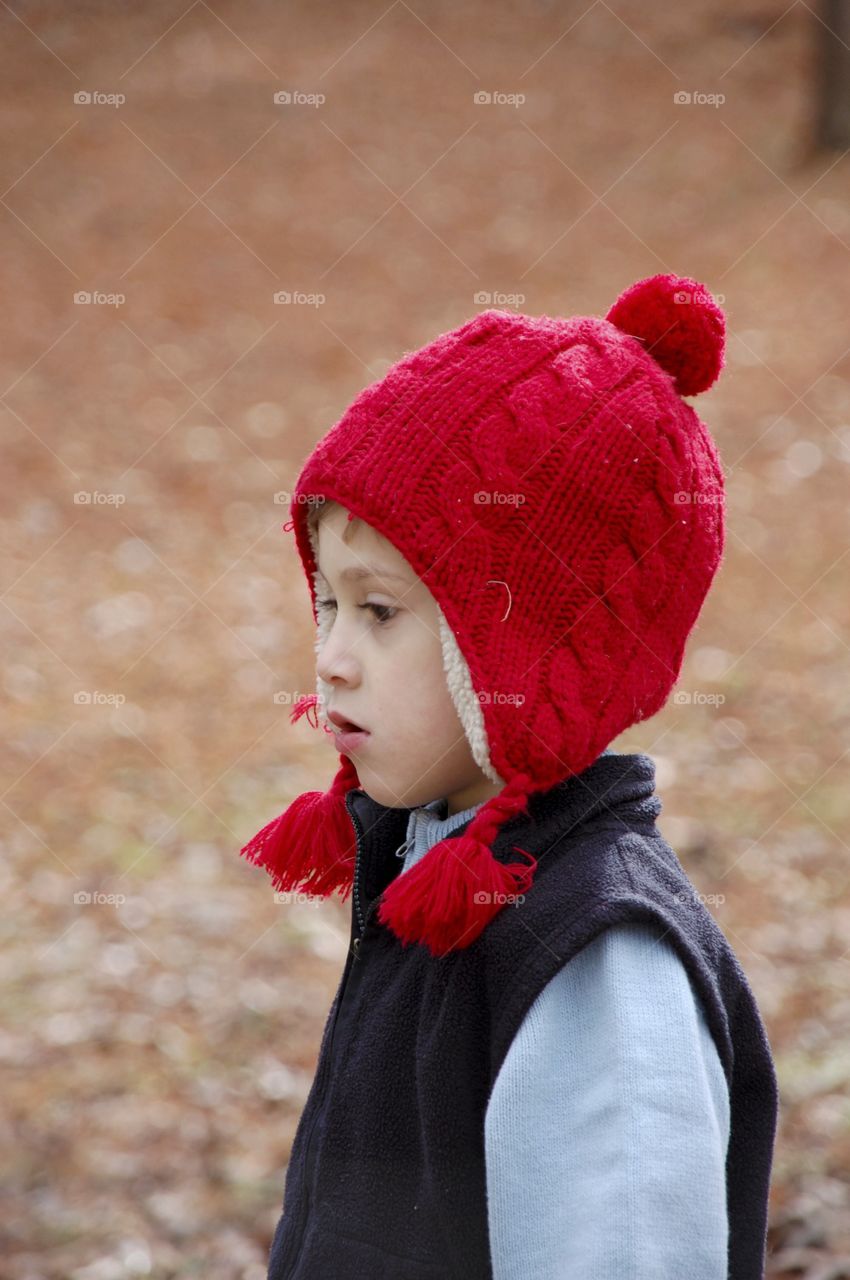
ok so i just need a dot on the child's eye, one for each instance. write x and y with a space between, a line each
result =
382 613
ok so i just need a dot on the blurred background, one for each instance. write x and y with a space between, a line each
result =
220 221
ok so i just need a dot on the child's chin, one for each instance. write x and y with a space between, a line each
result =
389 797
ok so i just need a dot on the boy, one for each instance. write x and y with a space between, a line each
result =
544 1059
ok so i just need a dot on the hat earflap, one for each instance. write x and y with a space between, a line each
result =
454 891
310 847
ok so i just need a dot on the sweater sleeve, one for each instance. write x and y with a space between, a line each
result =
607 1127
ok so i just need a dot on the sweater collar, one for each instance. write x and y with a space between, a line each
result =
429 824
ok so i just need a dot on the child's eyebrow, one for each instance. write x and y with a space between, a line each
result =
358 572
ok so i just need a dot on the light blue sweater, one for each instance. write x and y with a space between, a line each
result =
607 1127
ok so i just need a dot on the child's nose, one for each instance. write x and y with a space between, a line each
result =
336 659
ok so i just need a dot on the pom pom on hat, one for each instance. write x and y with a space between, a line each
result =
680 324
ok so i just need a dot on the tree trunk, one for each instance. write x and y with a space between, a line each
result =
832 127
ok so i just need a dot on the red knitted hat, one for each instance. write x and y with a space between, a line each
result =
564 506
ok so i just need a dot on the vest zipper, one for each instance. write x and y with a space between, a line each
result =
307 1163
362 920
355 944
355 891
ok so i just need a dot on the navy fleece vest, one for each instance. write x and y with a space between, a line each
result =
386 1179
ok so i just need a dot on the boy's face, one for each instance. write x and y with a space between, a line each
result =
383 660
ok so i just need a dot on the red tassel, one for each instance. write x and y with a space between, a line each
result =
306 705
310 847
450 896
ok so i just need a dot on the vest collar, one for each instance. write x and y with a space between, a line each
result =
618 788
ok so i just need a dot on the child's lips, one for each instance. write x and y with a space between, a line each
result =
342 723
351 740
348 736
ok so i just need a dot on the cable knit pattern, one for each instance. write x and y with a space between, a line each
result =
563 466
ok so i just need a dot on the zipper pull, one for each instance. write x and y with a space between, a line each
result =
402 850
355 945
